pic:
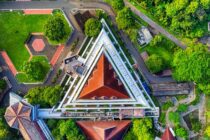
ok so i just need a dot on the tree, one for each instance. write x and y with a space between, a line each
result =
141 130
92 27
207 131
34 69
3 84
66 130
193 65
181 132
174 117
117 4
182 108
196 125
125 18
45 96
155 63
54 28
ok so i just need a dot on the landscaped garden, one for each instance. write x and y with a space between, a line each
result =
15 30
163 48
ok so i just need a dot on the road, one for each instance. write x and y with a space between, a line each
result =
155 25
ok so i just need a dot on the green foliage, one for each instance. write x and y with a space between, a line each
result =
207 131
45 96
155 63
3 84
196 125
141 130
92 27
174 117
193 64
181 132
166 105
183 17
182 108
65 130
117 4
54 28
34 69
125 18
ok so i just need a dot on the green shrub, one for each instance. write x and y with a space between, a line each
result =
155 63
166 105
174 117
54 29
92 27
182 108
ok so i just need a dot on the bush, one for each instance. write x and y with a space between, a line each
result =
54 29
182 108
117 5
181 132
125 18
3 84
44 96
34 70
155 63
166 105
92 27
174 117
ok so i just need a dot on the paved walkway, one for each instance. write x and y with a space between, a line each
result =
155 25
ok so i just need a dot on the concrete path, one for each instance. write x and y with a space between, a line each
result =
155 25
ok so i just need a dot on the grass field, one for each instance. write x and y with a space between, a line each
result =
15 29
22 77
165 49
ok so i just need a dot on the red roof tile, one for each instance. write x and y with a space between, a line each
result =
104 130
18 116
167 135
103 83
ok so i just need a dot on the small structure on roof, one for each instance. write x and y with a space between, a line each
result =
73 66
144 36
104 130
38 44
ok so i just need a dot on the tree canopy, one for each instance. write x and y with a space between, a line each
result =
65 130
117 4
125 18
34 70
193 64
181 132
141 130
188 18
155 63
92 27
45 96
182 108
55 29
174 117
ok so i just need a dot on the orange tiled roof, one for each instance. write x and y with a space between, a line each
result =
104 130
103 83
18 116
167 135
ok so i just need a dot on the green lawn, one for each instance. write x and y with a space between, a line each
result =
14 30
165 49
23 78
